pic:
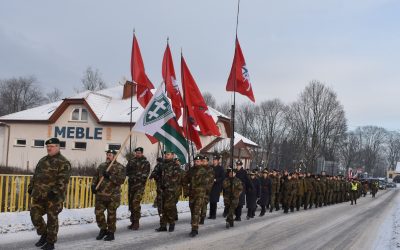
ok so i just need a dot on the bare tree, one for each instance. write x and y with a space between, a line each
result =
92 80
225 108
54 95
393 148
210 99
17 94
349 151
317 123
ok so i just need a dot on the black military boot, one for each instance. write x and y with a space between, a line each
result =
171 227
109 237
262 213
48 246
41 241
238 219
231 224
310 207
161 229
193 233
201 222
285 210
102 234
225 213
270 210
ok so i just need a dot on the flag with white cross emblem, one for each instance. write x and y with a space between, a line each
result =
158 120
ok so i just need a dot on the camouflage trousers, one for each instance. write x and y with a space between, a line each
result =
40 207
196 204
135 198
230 206
111 207
204 207
166 205
309 198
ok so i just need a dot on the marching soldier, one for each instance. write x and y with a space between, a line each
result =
137 170
195 186
309 195
219 175
170 181
318 192
210 182
47 189
156 175
252 194
275 191
301 188
266 190
287 193
374 188
241 174
108 195
233 188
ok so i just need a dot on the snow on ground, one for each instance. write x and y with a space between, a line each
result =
21 221
388 236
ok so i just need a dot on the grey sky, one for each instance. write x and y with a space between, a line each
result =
352 46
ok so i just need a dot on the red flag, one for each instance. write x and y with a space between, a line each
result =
143 93
240 75
198 113
172 87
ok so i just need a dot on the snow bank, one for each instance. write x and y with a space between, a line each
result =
21 221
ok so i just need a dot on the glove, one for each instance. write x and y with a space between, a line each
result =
94 191
51 195
30 191
106 175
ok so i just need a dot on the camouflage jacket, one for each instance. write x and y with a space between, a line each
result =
232 187
301 186
156 173
51 174
170 176
275 184
137 171
210 177
196 181
310 183
109 189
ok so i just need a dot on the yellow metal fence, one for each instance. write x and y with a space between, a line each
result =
14 196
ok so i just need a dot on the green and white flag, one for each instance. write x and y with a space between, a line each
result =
158 120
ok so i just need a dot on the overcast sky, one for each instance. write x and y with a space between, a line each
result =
353 46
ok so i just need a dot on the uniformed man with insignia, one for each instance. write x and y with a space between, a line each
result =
233 188
210 181
108 195
47 189
137 171
219 176
195 185
170 181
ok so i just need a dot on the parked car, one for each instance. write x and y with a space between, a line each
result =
391 185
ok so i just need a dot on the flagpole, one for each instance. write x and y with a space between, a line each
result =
234 95
130 116
185 113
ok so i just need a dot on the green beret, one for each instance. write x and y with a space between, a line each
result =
139 149
52 141
111 151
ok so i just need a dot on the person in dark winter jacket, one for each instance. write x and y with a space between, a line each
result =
241 174
219 176
252 194
266 191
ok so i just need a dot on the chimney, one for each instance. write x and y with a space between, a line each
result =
129 90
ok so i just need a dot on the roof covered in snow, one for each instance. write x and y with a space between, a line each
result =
107 105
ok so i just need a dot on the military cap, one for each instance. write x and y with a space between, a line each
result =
52 141
198 157
139 149
265 171
111 151
216 157
230 170
206 158
239 162
168 151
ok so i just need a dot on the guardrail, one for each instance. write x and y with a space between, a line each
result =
14 196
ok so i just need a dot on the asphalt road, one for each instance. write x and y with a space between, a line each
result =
340 226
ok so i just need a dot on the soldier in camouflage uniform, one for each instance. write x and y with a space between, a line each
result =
287 193
232 187
108 195
137 171
47 189
170 181
301 189
195 186
156 175
210 182
318 192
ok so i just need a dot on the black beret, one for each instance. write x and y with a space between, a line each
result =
139 149
111 151
168 151
230 170
239 162
198 157
52 141
206 158
216 157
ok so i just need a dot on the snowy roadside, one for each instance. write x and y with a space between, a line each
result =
21 221
388 236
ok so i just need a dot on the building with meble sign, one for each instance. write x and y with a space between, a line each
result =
87 124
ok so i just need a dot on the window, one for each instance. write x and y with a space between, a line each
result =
20 142
114 146
62 144
79 114
38 143
80 145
